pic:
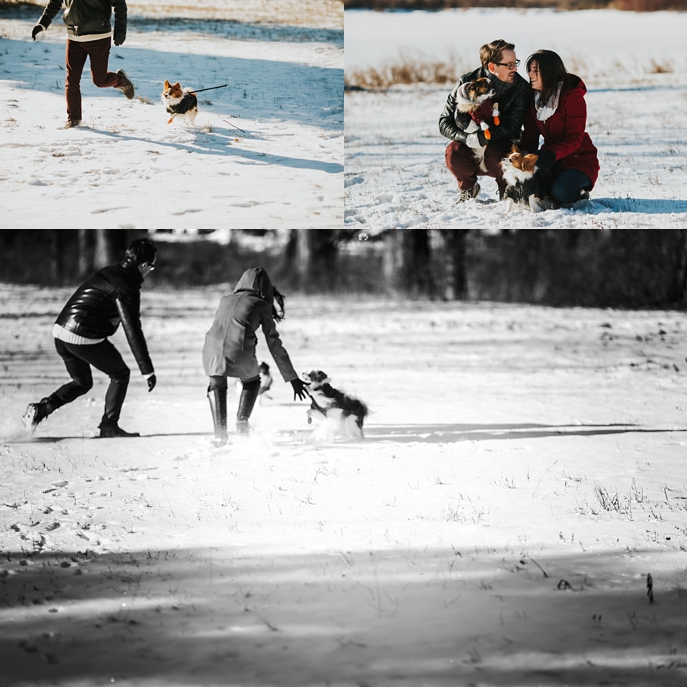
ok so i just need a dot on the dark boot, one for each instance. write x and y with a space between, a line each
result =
218 408
111 430
36 413
249 395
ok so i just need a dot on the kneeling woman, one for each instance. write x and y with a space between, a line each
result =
568 166
229 349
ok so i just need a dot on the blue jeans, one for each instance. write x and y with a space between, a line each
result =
567 185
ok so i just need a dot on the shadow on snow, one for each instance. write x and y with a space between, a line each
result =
219 143
219 616
647 206
453 433
276 91
228 28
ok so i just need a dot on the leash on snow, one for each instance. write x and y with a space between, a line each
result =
212 88
234 125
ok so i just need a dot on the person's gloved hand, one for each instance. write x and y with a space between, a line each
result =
476 140
36 30
152 381
119 36
299 387
545 158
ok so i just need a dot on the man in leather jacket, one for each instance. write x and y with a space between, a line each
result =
512 93
93 313
89 34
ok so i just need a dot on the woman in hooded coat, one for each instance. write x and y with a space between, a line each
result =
230 344
568 165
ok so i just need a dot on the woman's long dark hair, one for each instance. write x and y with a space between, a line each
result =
278 310
552 72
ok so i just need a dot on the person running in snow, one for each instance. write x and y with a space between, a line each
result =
568 166
89 34
230 344
94 311
511 92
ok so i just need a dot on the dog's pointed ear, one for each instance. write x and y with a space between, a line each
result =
529 161
166 84
177 85
515 148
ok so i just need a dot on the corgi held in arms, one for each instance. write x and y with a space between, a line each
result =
180 102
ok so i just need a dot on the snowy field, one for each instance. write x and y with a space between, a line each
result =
634 66
523 474
266 152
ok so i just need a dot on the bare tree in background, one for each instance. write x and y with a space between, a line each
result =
407 262
86 251
455 287
110 246
311 258
680 283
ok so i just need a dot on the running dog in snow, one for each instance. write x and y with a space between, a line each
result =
336 412
180 102
523 187
474 98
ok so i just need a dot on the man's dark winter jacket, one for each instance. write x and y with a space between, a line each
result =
87 17
513 100
109 296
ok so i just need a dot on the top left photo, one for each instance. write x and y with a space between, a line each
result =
135 114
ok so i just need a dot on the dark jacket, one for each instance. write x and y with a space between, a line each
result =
109 296
513 100
86 17
230 343
564 132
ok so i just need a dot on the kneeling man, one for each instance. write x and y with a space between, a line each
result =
511 94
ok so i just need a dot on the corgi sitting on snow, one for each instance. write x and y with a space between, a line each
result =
336 412
180 102
523 186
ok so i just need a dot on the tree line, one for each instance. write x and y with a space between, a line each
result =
435 5
609 268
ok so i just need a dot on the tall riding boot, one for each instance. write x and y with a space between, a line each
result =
218 408
249 395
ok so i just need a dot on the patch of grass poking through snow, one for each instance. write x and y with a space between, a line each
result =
460 512
613 503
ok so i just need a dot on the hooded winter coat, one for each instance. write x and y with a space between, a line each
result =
230 343
564 132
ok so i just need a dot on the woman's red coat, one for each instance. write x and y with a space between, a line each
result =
564 132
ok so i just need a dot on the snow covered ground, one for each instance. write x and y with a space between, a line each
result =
266 152
523 474
395 171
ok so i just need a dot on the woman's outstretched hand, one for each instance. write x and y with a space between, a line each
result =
299 389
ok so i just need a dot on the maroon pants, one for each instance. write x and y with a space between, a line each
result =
464 165
77 52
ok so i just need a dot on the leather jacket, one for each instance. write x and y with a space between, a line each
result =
87 17
109 296
513 100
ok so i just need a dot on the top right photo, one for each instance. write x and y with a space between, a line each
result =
515 114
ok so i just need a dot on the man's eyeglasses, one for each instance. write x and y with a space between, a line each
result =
510 65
